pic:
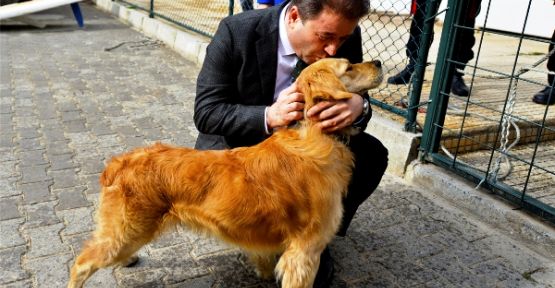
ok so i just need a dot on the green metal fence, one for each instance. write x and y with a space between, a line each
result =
496 137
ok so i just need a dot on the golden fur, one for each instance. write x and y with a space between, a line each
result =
280 196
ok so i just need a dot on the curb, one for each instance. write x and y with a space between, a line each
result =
483 204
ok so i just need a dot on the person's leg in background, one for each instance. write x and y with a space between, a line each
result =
413 44
464 42
547 95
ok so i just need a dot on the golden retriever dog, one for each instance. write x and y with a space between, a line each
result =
282 196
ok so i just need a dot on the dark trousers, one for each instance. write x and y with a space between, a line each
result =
370 164
551 62
465 36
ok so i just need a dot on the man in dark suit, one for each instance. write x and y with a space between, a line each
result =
244 89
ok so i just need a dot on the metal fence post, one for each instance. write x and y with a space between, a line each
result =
231 7
151 11
420 67
443 72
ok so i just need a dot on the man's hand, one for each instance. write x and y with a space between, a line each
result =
287 108
336 115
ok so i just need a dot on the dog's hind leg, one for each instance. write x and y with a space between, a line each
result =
298 265
102 251
118 236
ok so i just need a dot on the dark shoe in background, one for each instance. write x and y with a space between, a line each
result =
458 87
542 97
325 271
403 77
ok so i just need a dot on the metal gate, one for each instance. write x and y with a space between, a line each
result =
497 137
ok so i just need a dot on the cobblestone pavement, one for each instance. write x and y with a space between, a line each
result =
71 98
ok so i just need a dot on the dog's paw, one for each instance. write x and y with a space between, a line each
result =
265 274
131 261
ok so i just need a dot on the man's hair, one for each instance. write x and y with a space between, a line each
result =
350 9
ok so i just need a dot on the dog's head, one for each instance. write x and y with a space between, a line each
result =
336 78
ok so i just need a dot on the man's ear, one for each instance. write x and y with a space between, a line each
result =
293 15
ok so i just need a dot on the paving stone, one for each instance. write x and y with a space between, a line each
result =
8 208
8 169
103 278
34 174
77 221
30 144
32 158
50 271
10 233
40 214
61 162
46 241
28 133
19 284
57 148
36 192
144 279
54 135
91 165
203 246
71 198
6 138
178 262
75 126
8 187
10 261
64 178
68 116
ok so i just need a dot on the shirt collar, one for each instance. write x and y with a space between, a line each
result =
284 47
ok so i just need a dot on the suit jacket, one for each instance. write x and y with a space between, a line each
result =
237 79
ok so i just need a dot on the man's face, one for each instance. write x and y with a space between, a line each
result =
320 37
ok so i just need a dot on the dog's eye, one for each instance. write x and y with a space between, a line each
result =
349 68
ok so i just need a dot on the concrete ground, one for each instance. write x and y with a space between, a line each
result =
71 98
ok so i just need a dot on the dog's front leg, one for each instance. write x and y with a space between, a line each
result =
298 265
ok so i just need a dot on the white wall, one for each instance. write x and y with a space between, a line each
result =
506 15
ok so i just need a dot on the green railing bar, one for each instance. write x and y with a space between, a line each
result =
420 68
388 107
431 136
231 7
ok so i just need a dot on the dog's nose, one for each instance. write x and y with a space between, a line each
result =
378 63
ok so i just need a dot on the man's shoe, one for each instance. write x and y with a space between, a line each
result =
458 87
542 97
403 77
325 271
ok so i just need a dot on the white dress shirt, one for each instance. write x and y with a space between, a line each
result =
286 61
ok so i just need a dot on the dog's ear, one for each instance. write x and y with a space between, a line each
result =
320 85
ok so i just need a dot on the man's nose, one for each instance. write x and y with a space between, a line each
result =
331 49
